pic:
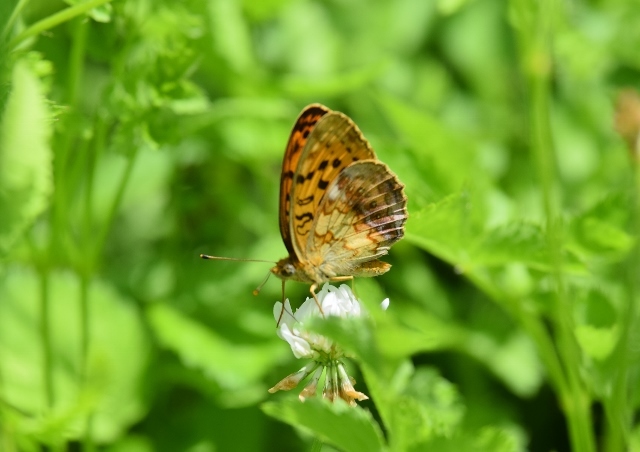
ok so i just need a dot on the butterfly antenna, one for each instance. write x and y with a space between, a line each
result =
218 258
257 290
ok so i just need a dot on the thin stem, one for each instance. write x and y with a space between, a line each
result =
76 61
14 15
575 399
115 205
55 20
534 24
87 444
618 410
45 338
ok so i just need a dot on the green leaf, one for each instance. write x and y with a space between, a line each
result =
513 359
413 330
236 368
445 229
25 155
345 427
599 232
444 159
415 405
596 342
597 327
117 359
453 230
485 439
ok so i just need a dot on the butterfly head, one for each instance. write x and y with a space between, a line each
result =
288 268
285 269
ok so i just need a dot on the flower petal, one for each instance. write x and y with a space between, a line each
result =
291 381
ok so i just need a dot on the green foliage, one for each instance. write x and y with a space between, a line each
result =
137 134
337 423
26 158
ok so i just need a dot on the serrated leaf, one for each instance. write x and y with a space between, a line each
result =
445 229
600 232
514 242
452 230
348 428
25 155
445 158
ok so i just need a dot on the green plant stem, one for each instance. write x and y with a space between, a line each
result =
618 410
575 398
534 23
45 338
14 15
76 61
316 446
117 200
55 20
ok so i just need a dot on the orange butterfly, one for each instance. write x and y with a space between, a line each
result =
340 207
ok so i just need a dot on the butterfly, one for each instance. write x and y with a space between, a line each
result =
341 209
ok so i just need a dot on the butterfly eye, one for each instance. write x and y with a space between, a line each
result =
288 270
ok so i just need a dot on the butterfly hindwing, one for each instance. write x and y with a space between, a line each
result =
362 214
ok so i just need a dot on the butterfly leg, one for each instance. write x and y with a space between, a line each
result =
313 288
343 278
346 278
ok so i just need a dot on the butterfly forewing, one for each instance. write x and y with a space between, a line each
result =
334 143
297 141
362 214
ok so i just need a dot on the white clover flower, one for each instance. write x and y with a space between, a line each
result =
323 352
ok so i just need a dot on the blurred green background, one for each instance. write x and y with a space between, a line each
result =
137 134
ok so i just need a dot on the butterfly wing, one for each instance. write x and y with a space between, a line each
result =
362 214
334 143
298 139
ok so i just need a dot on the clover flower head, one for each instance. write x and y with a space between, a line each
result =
323 352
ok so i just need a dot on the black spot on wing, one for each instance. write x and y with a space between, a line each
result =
322 184
305 220
305 201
